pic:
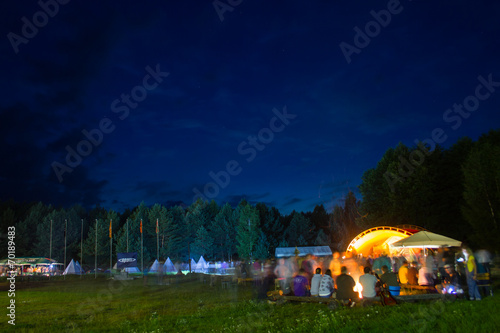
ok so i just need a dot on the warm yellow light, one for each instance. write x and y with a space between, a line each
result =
379 238
358 288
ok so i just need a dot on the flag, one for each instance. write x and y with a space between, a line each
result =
141 226
110 229
156 225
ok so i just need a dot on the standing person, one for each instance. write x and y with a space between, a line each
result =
368 282
326 286
284 275
335 264
426 276
345 286
301 284
403 273
471 274
315 281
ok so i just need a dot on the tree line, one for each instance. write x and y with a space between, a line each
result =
454 191
216 232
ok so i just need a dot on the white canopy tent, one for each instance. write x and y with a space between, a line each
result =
286 252
426 239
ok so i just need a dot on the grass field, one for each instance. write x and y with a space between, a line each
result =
190 305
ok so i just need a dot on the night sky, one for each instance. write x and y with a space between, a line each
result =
282 102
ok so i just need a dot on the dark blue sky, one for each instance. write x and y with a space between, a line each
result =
267 91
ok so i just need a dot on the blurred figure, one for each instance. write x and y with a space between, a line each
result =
301 284
379 262
483 258
326 286
413 274
267 281
345 286
403 273
315 281
284 275
390 279
335 264
426 276
471 274
368 282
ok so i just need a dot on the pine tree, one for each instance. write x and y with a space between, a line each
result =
247 231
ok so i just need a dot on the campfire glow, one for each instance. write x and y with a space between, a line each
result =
358 288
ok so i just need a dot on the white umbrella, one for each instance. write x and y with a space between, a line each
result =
426 239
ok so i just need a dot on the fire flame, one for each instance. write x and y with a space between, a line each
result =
358 288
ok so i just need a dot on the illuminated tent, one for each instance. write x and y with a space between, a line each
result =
201 266
379 239
286 252
131 270
169 267
73 268
155 267
426 239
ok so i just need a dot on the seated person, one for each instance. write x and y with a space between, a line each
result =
301 284
413 274
451 281
345 286
390 279
368 282
326 287
403 273
315 281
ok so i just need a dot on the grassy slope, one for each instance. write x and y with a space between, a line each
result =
103 305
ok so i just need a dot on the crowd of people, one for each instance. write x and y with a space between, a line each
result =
349 277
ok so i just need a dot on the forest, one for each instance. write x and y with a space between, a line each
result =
453 191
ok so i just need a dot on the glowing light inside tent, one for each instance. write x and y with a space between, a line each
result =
376 239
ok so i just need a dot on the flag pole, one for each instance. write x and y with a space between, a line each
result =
95 267
65 232
50 250
127 235
157 241
81 251
142 253
110 246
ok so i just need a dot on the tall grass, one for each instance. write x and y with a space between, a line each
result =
191 305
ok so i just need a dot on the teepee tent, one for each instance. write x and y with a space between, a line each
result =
155 267
169 267
73 268
201 266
